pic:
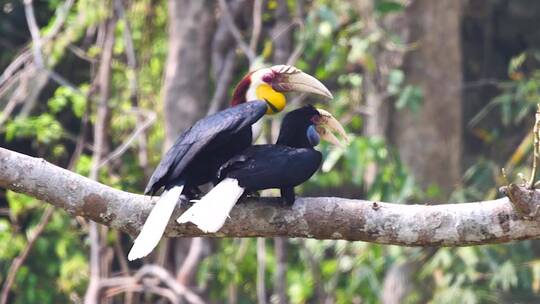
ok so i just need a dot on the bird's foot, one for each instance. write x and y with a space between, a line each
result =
287 203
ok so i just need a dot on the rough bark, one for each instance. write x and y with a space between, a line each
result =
186 84
320 218
429 142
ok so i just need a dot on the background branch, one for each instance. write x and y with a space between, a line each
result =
19 260
227 16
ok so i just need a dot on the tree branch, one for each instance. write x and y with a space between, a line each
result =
321 218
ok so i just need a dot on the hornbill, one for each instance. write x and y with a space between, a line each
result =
197 154
288 163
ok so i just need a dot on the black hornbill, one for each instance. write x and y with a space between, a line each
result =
198 153
288 163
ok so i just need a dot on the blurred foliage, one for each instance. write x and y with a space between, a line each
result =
335 44
496 273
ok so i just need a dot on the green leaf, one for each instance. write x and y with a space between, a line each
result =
385 7
516 63
411 97
395 80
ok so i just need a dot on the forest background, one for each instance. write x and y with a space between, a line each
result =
439 96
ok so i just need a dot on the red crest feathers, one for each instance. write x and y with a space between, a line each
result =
239 95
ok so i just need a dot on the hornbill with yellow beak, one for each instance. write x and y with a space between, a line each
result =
288 163
197 154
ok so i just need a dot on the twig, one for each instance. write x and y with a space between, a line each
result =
4 115
19 260
315 267
81 138
34 32
80 53
151 118
223 83
188 269
295 55
257 23
91 296
280 248
130 287
22 59
286 28
334 279
536 155
39 80
37 45
261 270
130 50
61 16
121 254
169 281
236 32
64 82
122 260
240 254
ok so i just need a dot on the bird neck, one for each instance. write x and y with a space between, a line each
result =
249 89
239 94
294 137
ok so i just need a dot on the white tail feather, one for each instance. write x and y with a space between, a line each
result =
210 213
155 224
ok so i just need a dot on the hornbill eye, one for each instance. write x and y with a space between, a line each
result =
316 119
268 78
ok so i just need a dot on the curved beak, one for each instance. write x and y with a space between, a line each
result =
288 78
327 124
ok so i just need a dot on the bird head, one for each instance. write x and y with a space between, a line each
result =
306 126
270 84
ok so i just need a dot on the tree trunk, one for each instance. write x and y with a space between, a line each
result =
186 87
186 99
429 141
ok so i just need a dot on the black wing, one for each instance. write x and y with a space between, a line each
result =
224 123
272 166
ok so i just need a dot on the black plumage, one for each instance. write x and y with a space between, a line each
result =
198 153
288 163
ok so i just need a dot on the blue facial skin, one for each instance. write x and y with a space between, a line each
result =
313 136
